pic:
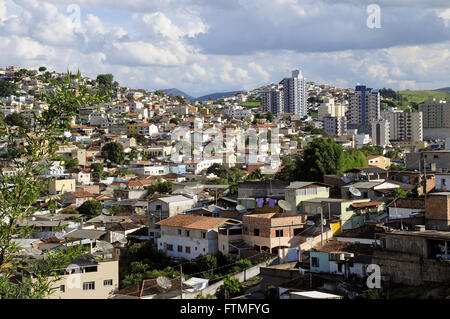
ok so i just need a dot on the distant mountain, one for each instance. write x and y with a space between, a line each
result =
177 92
443 89
214 96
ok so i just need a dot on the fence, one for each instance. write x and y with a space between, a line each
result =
242 276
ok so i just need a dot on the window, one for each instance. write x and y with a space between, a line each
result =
297 231
203 235
315 262
89 285
279 233
180 248
90 269
179 232
107 282
187 233
169 247
188 250
62 288
158 207
256 232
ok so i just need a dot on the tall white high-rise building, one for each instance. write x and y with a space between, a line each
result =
295 94
364 107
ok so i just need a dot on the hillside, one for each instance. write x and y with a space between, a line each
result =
216 96
177 92
421 96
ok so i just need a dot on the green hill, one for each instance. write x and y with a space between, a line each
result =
421 96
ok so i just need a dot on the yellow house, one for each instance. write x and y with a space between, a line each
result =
60 186
89 280
378 161
132 128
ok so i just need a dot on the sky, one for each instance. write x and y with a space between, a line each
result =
204 46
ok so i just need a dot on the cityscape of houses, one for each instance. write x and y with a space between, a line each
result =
174 199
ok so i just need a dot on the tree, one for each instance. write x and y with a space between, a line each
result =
16 119
105 84
321 157
98 168
353 158
19 192
71 163
91 208
269 116
271 292
372 150
288 171
255 175
7 88
218 170
175 120
42 69
114 152
160 187
370 294
399 193
231 287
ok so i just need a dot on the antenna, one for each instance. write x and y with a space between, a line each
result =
285 205
354 191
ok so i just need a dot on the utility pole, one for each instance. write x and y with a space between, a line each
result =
321 226
425 179
181 282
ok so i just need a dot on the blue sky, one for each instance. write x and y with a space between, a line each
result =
202 46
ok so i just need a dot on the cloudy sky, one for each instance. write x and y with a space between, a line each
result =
202 46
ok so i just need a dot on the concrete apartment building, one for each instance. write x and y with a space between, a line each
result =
272 100
188 236
380 133
90 279
436 118
436 113
295 94
404 125
330 108
335 125
364 107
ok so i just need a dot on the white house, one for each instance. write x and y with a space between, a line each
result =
188 236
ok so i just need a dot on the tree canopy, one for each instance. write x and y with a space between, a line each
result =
114 152
90 208
7 88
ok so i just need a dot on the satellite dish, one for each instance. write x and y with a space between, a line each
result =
285 205
164 282
354 191
241 208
